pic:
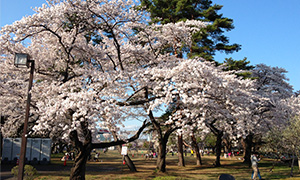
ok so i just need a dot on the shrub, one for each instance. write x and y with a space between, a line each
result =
29 172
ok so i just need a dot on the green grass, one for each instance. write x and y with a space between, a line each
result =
110 167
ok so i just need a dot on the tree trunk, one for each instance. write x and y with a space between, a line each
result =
163 139
219 135
161 158
130 163
247 146
84 148
1 140
127 159
228 145
197 151
180 151
292 166
78 169
218 148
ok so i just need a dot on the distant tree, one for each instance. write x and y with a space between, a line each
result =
146 145
291 138
129 145
196 149
285 139
210 140
271 86
239 65
205 42
272 81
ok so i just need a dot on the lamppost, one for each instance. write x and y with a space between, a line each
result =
22 60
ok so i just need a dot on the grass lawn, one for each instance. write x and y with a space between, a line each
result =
110 167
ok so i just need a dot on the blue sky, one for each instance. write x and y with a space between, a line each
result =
268 30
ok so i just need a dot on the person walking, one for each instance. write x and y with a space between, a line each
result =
96 158
254 164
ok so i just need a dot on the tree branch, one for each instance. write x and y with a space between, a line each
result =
138 102
120 142
74 139
212 127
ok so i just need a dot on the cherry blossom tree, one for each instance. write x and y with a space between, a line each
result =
101 62
90 55
291 133
205 94
271 87
283 137
77 78
155 82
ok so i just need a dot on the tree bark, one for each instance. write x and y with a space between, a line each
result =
84 150
78 169
180 151
162 139
130 163
218 148
219 135
292 166
247 146
161 158
228 145
196 148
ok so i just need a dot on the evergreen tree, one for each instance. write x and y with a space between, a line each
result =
237 65
207 41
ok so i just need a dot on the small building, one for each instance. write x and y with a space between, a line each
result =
38 150
103 135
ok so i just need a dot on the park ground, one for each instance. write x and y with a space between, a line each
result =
110 167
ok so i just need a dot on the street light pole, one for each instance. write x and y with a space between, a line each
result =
24 135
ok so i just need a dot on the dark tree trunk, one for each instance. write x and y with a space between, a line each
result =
161 158
180 151
163 138
228 146
84 149
218 148
292 166
196 148
162 147
247 146
127 159
1 140
219 135
78 169
130 163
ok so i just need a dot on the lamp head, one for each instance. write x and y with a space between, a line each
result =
21 60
